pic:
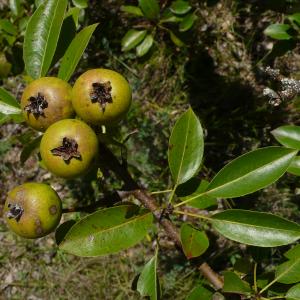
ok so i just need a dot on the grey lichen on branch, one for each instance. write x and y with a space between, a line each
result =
288 88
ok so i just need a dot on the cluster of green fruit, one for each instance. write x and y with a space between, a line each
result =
69 147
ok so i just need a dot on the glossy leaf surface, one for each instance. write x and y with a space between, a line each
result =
75 51
180 7
143 48
288 136
132 38
186 147
134 10
42 35
255 228
107 231
8 103
294 167
251 172
187 22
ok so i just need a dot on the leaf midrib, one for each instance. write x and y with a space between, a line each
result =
109 229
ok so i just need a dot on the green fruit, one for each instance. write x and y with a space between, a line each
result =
46 101
101 96
69 148
32 210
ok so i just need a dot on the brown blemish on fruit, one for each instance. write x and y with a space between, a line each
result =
38 222
68 150
53 210
101 93
39 230
15 211
36 106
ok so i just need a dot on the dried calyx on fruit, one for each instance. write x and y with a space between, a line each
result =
46 101
101 96
32 210
69 148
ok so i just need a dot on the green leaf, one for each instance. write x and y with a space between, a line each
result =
251 172
8 104
278 31
200 293
194 242
293 253
200 199
180 7
255 228
186 147
293 293
295 18
288 136
62 230
234 284
29 148
150 8
107 231
134 10
187 22
294 167
178 42
5 66
80 3
132 38
74 12
15 7
144 46
288 272
75 51
148 283
169 17
8 27
42 35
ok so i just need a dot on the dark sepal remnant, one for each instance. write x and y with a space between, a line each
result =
68 150
15 212
37 106
101 93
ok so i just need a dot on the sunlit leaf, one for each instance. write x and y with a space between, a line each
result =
144 46
255 228
132 38
278 31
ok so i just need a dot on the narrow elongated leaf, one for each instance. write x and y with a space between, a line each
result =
132 38
187 22
75 51
144 46
293 293
150 8
185 147
234 284
15 6
175 39
288 272
251 172
107 231
148 284
278 31
294 167
180 7
288 136
8 104
42 35
200 293
255 228
194 242
134 10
